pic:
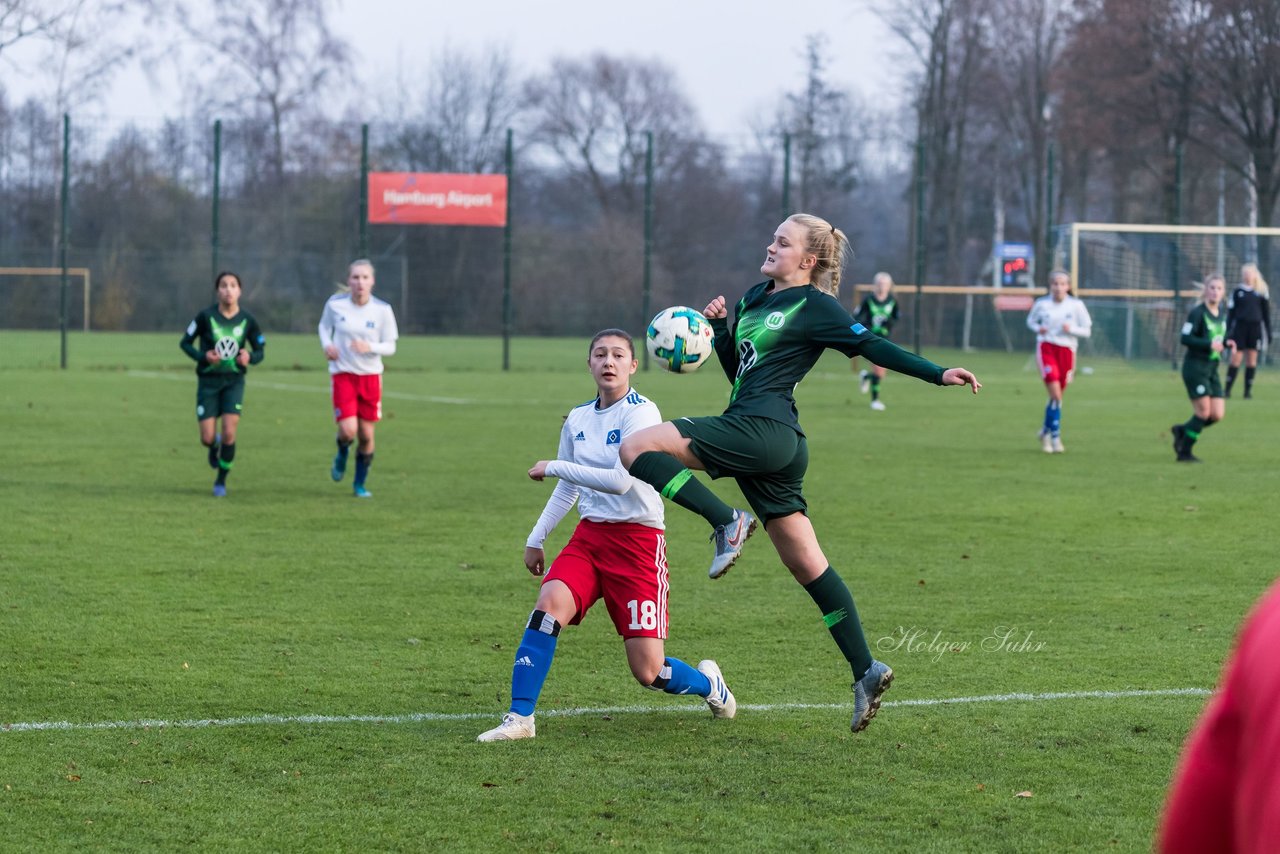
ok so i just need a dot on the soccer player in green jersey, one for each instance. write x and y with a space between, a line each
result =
779 330
1203 335
230 341
878 312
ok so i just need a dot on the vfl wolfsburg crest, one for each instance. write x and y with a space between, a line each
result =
775 320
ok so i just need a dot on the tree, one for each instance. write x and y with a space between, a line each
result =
824 125
949 41
458 121
275 57
1241 94
593 115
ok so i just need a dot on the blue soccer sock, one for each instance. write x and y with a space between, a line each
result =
676 677
533 661
363 461
1053 418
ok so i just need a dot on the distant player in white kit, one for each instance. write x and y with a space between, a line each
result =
356 330
1059 321
617 553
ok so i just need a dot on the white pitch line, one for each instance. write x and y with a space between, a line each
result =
395 395
418 717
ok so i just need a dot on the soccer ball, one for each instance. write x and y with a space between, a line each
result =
227 348
680 338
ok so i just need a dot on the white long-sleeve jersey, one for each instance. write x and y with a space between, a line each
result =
343 322
590 472
1053 316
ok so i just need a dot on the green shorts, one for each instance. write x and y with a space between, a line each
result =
1201 378
767 458
219 394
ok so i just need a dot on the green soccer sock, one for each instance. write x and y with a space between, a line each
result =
832 596
1194 426
670 477
226 459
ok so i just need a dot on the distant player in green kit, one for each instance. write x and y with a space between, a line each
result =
779 330
230 341
1203 335
878 312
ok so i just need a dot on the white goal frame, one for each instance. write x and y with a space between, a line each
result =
1127 228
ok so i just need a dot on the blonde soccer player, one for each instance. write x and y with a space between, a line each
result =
356 331
1059 321
778 331
1204 336
1248 316
878 312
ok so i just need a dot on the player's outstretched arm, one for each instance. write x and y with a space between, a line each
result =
960 376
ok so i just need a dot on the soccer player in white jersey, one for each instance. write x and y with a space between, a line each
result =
617 553
356 330
1059 321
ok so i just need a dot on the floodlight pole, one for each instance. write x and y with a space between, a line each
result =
506 264
919 236
64 230
364 191
1177 248
217 193
786 175
646 307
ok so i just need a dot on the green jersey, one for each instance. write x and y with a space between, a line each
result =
1200 331
228 336
778 336
880 316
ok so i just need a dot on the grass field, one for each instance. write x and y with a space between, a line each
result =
290 669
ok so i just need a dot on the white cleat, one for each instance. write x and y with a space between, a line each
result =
1046 442
877 405
513 726
864 383
720 700
1057 445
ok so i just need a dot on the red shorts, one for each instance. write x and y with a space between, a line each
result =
623 563
357 396
1057 363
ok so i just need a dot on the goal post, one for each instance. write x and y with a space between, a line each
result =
1143 279
44 272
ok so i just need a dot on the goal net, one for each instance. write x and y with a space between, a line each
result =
1139 281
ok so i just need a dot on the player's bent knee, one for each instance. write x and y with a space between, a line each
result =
652 675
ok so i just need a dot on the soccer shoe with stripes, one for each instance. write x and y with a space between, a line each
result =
729 540
867 692
513 727
1057 445
720 700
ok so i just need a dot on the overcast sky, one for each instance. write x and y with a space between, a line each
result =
733 57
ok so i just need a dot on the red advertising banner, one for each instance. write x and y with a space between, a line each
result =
437 198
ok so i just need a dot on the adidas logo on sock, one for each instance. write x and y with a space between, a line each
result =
524 661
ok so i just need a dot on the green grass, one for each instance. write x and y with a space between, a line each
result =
127 593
